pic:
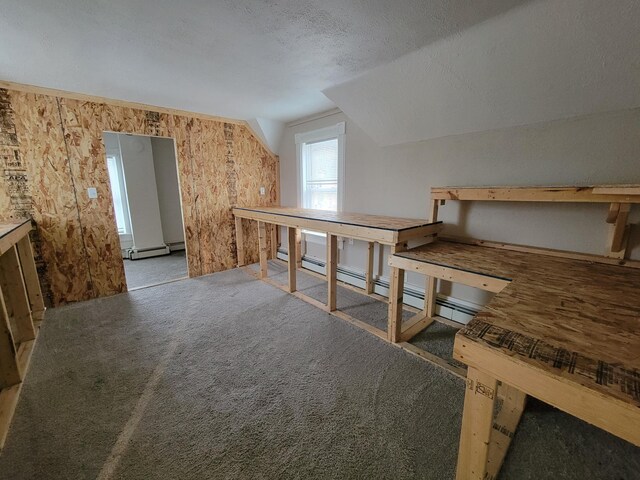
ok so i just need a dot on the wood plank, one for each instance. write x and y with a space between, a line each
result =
477 423
263 249
594 194
274 241
298 248
396 297
30 274
8 401
332 271
365 227
571 393
510 406
11 233
15 296
618 230
472 279
9 370
369 281
414 326
291 263
239 242
587 257
432 359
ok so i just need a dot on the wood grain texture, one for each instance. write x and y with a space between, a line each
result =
572 318
57 142
587 193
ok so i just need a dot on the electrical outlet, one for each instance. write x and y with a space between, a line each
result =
92 192
263 191
351 241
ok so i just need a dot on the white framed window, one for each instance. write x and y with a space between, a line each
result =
321 168
119 194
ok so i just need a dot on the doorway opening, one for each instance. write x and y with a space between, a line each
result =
143 173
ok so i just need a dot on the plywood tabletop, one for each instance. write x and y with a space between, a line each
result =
574 318
7 228
355 219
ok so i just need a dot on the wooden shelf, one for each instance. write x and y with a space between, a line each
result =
21 312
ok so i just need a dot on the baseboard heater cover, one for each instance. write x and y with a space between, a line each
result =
139 253
447 307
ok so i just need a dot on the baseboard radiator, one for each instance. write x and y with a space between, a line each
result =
448 307
139 253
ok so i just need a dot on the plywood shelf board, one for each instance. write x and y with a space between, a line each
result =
591 193
591 308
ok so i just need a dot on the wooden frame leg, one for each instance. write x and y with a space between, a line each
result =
332 271
31 281
274 241
9 370
16 298
396 289
240 242
396 292
291 262
430 295
477 423
369 273
298 248
510 405
263 248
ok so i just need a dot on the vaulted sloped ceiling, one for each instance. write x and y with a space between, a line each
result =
404 70
545 60
244 59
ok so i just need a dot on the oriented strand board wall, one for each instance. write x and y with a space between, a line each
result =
51 150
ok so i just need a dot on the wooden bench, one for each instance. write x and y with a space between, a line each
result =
392 231
21 311
563 327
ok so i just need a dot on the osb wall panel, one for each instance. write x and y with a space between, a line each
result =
52 151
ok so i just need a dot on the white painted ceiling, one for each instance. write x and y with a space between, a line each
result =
403 70
242 59
545 60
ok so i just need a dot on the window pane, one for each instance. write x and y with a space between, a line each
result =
322 160
118 203
320 189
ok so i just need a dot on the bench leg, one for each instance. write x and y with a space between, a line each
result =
239 242
291 262
369 273
264 249
332 271
477 422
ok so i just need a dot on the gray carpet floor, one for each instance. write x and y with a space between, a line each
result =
155 270
226 377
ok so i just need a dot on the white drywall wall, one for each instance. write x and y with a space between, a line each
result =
166 173
142 193
602 148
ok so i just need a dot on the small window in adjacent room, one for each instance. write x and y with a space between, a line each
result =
321 165
116 178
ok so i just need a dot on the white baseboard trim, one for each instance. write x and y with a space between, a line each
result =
451 308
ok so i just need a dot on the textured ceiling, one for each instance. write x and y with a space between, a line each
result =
545 60
243 59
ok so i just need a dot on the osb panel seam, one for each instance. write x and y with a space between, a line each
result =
57 142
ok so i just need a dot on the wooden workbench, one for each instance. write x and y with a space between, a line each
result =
21 311
370 228
564 330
